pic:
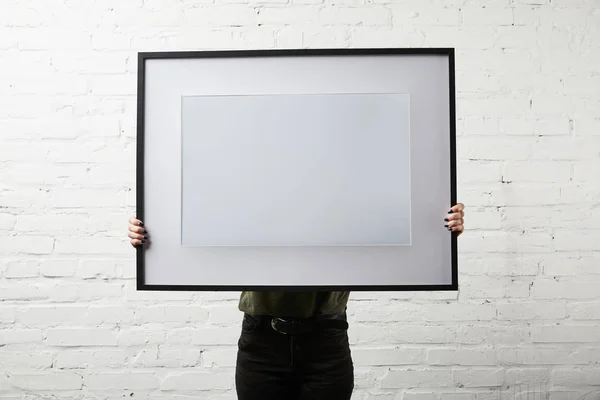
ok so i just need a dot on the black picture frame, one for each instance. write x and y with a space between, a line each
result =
144 57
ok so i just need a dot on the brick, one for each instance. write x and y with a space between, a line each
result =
7 221
518 125
100 358
374 357
286 15
420 396
24 360
141 336
546 355
366 16
399 378
58 268
196 381
210 336
90 62
402 333
486 16
223 16
565 334
586 125
401 311
8 314
565 148
458 396
85 291
586 171
485 288
15 292
20 336
575 376
190 313
98 315
528 194
477 334
460 312
531 380
502 241
27 244
127 380
224 315
97 269
328 36
92 245
48 316
495 148
180 336
552 310
570 264
70 337
478 377
582 240
475 171
167 357
86 198
589 310
365 36
21 269
454 356
46 381
548 288
222 357
407 15
537 172
501 264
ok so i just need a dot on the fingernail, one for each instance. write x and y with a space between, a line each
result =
145 231
145 237
141 224
446 226
450 212
445 219
143 241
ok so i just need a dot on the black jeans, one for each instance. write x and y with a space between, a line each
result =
274 366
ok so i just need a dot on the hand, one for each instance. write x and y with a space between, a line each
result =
456 219
137 232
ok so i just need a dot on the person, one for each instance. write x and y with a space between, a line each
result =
294 345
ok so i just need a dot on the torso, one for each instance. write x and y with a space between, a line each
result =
293 304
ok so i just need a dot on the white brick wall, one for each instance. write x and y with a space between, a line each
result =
527 317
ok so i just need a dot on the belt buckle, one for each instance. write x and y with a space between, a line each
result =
274 320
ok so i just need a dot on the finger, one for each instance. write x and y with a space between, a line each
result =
136 242
455 223
135 221
458 228
133 235
457 208
454 216
137 229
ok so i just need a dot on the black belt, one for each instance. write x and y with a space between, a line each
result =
300 326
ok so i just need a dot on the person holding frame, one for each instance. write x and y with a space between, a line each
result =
294 345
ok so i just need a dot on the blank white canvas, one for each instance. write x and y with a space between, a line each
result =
296 170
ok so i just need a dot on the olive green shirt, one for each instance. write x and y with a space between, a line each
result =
293 304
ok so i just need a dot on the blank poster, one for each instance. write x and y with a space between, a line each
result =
295 170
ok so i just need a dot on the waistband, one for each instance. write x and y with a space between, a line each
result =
293 326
